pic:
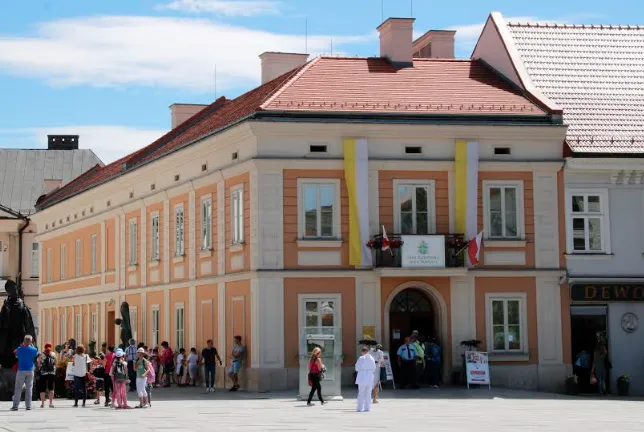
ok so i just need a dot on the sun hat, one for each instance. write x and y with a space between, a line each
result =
140 351
119 353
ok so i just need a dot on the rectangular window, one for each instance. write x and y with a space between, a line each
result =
49 261
134 323
63 261
93 254
50 327
414 212
178 231
503 210
155 327
78 257
319 201
62 331
237 214
179 326
94 327
133 241
587 217
78 329
154 253
206 223
35 260
506 323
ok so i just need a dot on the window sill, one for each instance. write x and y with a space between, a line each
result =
503 243
319 243
236 247
509 356
589 256
132 267
178 259
205 253
154 263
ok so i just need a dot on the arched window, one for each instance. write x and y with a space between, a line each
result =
410 300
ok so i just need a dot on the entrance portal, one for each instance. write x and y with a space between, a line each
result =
410 310
588 326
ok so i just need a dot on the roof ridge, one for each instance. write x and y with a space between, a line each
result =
280 89
546 24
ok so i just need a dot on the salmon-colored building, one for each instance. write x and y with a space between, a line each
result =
252 217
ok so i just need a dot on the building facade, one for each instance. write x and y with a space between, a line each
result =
602 201
254 217
24 176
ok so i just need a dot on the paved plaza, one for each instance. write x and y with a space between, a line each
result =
425 410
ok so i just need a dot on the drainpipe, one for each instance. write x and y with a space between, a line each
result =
20 231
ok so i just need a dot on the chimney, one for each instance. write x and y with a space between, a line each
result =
62 142
51 185
275 64
435 44
182 112
396 37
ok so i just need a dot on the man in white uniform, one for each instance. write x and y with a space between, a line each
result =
365 366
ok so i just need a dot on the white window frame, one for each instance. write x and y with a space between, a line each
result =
520 211
62 324
78 328
63 261
35 260
237 215
431 203
522 298
155 324
206 223
155 237
93 249
78 258
134 322
132 236
94 327
179 333
301 184
50 255
603 215
179 231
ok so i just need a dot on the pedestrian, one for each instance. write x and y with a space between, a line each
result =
316 373
238 356
180 369
598 370
142 367
80 367
68 352
434 356
193 367
130 357
109 381
119 375
366 367
100 374
380 373
208 357
167 359
156 365
420 355
47 368
407 362
26 354
151 379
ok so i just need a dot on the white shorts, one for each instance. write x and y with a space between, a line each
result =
140 387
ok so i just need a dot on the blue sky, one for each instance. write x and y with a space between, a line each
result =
109 69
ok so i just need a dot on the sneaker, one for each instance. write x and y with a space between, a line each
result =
14 409
207 390
97 402
310 404
75 405
28 408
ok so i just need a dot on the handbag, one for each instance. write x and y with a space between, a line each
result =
593 379
69 373
383 374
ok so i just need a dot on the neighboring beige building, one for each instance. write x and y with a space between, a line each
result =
252 218
25 174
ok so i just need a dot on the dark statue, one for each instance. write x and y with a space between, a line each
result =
126 326
15 323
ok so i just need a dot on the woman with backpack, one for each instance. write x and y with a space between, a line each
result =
47 368
120 376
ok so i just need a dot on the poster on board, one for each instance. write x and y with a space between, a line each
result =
388 369
477 368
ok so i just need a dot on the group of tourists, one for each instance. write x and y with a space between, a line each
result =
419 359
115 369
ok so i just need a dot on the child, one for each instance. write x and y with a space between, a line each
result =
99 374
142 368
156 364
151 380
180 369
193 367
119 374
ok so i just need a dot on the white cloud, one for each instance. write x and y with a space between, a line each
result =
224 7
152 51
109 142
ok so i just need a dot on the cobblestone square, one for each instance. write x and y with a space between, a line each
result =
436 410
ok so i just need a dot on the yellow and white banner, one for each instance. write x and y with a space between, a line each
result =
356 174
466 188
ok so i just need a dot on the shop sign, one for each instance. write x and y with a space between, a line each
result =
598 292
423 251
477 368
319 337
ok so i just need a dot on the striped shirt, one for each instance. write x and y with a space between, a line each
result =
130 353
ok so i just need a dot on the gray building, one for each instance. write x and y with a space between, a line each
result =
596 75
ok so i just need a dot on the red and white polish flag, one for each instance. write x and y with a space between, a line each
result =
474 248
385 240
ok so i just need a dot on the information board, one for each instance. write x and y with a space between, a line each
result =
388 369
477 368
423 251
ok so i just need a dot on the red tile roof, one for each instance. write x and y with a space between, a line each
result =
337 85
